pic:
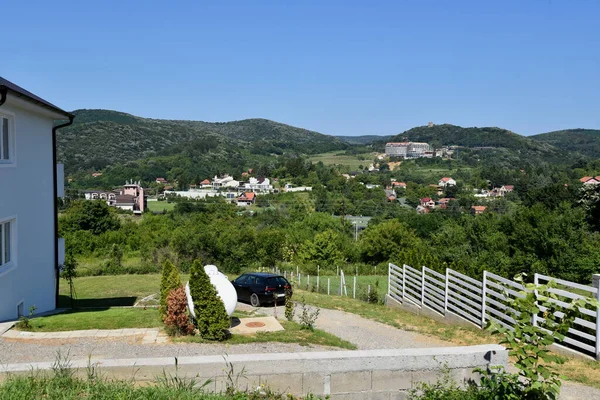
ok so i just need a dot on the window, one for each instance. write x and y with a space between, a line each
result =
6 140
6 242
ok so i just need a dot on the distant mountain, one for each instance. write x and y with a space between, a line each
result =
582 141
99 138
499 143
364 139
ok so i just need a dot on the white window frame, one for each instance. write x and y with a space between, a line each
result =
11 161
10 265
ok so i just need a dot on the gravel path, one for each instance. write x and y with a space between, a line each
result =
364 333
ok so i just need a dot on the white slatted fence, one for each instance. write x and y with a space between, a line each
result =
479 302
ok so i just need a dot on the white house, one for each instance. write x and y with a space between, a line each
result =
446 181
30 251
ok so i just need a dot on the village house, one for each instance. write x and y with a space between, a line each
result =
161 181
30 250
259 185
97 174
446 181
401 185
476 210
590 180
427 202
246 199
390 195
131 197
225 182
205 184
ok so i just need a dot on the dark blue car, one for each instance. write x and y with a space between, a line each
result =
261 288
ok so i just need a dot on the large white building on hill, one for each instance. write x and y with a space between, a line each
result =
30 251
408 150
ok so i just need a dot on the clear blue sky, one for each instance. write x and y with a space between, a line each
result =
337 67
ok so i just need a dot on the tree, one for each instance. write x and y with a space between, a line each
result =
212 320
383 241
324 249
93 216
169 281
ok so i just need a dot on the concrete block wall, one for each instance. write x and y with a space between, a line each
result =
366 374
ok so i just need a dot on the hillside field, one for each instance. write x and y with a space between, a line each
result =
336 158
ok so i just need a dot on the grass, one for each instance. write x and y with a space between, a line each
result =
65 386
110 318
377 282
293 333
94 265
353 162
159 206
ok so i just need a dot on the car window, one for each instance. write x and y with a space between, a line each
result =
277 281
260 281
251 280
241 280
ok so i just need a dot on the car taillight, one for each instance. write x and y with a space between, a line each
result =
287 287
269 289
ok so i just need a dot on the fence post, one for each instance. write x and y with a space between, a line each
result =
354 288
307 281
328 285
483 295
299 280
403 280
389 278
422 286
446 293
596 284
536 282
317 283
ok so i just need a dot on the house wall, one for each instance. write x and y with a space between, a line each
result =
31 279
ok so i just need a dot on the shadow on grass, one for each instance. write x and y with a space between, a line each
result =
65 302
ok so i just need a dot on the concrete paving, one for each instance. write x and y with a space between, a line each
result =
148 336
250 326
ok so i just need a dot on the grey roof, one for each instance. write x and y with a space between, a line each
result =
19 91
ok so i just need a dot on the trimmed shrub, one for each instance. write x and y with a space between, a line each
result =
170 280
177 318
289 305
212 320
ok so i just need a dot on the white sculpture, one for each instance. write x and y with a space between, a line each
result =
225 290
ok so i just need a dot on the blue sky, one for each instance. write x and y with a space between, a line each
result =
337 67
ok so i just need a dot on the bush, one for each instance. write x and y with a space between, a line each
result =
289 305
177 317
308 318
170 280
212 320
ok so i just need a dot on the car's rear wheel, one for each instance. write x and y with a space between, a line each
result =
254 300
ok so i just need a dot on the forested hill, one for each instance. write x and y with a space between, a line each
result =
99 138
506 142
364 139
583 141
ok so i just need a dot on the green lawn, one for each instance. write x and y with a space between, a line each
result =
353 162
160 206
110 318
378 283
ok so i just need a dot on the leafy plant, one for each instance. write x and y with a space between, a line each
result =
177 318
528 343
212 320
290 306
307 317
25 321
170 280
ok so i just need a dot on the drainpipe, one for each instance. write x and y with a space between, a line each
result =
55 190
